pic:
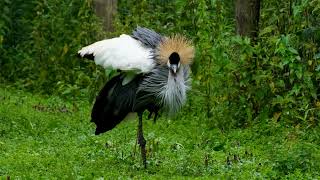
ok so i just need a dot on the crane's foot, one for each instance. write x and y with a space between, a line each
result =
142 142
155 117
149 116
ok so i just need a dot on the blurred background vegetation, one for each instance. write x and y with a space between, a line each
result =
253 111
272 74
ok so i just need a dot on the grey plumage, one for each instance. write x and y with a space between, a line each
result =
148 37
168 89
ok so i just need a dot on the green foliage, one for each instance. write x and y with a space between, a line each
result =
277 77
235 81
41 44
47 137
270 86
238 80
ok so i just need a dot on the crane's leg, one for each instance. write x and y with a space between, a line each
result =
149 116
155 116
141 141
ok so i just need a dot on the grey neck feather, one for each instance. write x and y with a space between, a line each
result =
169 89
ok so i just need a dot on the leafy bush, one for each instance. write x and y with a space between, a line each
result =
277 77
299 158
235 81
41 43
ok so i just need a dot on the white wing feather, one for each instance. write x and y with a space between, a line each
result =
124 53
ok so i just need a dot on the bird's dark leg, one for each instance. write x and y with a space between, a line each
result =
150 114
155 116
142 141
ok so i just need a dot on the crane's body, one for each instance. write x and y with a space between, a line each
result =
154 76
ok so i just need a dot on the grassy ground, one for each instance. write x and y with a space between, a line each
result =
47 137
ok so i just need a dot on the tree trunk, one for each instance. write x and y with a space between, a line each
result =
106 9
247 18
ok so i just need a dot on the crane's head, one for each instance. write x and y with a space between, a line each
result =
175 51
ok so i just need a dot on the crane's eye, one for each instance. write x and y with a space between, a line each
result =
174 58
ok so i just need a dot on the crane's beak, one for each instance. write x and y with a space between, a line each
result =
174 68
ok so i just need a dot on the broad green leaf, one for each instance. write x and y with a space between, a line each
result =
267 30
292 50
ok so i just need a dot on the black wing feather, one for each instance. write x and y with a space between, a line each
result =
113 103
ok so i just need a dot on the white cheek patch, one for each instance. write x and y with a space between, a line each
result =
168 64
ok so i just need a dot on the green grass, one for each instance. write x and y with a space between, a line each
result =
47 137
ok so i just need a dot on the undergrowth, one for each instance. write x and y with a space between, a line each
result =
253 111
235 81
48 137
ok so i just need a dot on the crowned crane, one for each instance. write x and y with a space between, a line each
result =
154 76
